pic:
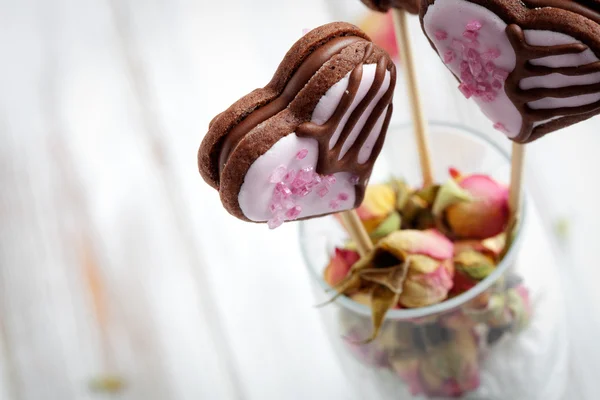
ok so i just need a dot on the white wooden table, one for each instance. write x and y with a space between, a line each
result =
115 258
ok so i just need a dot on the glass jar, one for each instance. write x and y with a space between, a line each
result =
503 339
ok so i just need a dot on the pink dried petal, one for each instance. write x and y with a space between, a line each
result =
293 213
354 179
470 35
496 84
465 90
490 67
491 54
441 35
302 154
500 74
278 174
343 196
449 56
275 222
474 26
334 204
322 191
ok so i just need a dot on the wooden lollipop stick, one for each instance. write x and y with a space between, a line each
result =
357 232
515 194
410 73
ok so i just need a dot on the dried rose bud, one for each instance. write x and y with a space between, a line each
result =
340 265
378 204
472 207
474 264
429 277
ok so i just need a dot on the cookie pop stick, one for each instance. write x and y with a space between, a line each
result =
399 9
305 145
418 117
515 195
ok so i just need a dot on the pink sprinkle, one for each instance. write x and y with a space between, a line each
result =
300 191
334 204
475 67
465 90
458 45
287 203
496 84
275 222
464 66
302 154
449 56
354 179
490 67
322 192
274 207
283 190
500 74
472 55
441 35
473 44
500 126
329 179
466 77
474 26
289 177
491 54
278 174
293 213
488 96
470 35
343 196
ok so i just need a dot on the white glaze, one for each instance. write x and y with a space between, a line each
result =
553 102
367 148
368 76
549 38
452 16
365 116
558 80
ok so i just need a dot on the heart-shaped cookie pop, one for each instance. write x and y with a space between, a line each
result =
532 66
305 144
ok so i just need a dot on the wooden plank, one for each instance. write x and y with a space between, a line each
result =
262 289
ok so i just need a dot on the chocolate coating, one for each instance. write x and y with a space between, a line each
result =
412 6
578 19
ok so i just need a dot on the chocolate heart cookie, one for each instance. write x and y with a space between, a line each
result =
305 144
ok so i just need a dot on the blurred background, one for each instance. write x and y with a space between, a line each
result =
121 276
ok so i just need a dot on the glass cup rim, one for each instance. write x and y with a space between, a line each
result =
455 302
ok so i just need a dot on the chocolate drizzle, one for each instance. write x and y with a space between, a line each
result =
525 53
588 9
329 161
300 78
